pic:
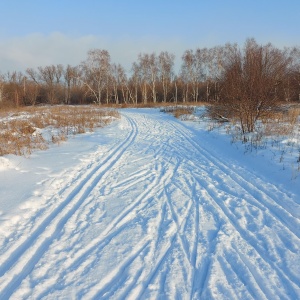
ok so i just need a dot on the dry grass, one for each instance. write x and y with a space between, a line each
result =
281 123
20 128
160 104
179 111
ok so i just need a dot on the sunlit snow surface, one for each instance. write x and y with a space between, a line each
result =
149 207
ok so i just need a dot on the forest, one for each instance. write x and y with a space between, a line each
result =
244 81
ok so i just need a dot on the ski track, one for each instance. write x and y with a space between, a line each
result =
19 263
157 217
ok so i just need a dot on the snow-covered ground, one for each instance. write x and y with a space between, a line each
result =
149 207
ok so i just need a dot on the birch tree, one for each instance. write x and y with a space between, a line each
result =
96 71
187 72
166 66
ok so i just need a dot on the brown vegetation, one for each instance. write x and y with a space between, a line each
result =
252 84
179 111
20 128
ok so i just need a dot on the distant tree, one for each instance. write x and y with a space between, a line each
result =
70 75
214 67
119 82
123 83
294 78
166 72
15 87
96 73
1 88
152 64
192 72
143 75
32 91
200 70
187 72
115 82
251 80
243 83
33 86
47 75
175 90
136 81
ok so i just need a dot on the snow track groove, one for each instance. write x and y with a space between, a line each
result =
157 216
256 193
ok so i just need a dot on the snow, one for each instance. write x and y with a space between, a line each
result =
149 207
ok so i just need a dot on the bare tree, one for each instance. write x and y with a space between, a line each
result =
15 87
250 81
214 66
187 72
242 82
142 70
147 71
47 75
96 73
115 82
153 67
175 89
294 78
32 92
119 80
192 73
124 83
166 65
50 77
200 70
33 75
33 86
136 80
70 75
2 83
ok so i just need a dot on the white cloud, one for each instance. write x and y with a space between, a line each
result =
35 50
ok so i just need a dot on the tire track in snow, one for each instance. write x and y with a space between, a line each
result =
21 261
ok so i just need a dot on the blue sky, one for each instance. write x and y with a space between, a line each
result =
41 32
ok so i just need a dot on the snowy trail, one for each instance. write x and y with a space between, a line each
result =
155 215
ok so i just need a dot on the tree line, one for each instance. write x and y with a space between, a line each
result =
248 78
